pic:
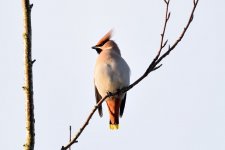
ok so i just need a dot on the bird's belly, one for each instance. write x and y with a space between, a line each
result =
110 78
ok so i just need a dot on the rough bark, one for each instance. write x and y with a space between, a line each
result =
28 76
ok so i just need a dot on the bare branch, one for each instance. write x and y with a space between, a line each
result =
167 2
167 16
74 140
33 61
164 44
31 6
28 85
152 67
70 137
182 34
157 67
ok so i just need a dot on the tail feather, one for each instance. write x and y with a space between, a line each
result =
114 126
113 107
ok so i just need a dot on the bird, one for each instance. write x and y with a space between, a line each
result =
111 73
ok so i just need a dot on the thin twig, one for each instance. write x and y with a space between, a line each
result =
162 43
74 140
70 137
170 48
157 67
28 84
153 66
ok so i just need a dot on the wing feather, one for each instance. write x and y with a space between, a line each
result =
98 98
122 105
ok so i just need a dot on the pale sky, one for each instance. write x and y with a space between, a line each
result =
181 106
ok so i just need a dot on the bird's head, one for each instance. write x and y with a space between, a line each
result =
105 44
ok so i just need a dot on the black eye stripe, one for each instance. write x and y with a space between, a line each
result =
98 50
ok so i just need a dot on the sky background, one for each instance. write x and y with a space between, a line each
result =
181 106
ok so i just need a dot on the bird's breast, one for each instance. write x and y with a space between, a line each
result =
111 74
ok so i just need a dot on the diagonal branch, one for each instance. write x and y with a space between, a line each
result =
154 65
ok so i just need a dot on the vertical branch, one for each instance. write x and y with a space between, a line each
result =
70 136
28 84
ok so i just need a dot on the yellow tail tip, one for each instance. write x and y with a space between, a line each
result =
114 126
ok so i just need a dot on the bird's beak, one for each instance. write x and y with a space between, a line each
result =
97 48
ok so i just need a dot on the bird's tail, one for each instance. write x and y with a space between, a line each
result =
113 107
114 126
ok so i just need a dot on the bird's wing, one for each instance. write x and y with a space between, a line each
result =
122 105
98 97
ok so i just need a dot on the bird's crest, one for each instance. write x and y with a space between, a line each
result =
105 38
